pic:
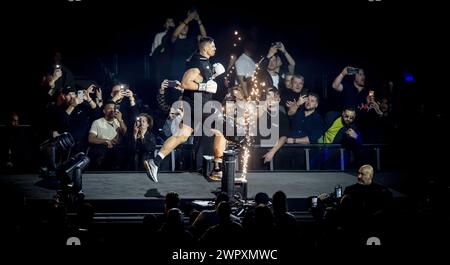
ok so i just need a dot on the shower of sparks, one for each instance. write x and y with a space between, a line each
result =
251 110
249 122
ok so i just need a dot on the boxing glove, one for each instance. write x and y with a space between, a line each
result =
210 86
218 69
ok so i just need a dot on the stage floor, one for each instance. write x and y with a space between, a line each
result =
137 186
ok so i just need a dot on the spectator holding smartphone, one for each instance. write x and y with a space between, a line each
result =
166 97
143 141
124 98
184 42
75 116
104 136
355 93
58 77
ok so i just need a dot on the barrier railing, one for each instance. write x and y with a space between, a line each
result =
294 157
312 157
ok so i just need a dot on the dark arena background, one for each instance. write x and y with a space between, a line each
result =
60 190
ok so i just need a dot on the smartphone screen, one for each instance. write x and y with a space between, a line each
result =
172 83
80 95
314 202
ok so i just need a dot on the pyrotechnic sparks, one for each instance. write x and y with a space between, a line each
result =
250 109
250 119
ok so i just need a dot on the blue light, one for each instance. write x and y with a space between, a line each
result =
409 78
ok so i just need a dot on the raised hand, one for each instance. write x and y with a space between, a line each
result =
268 157
118 115
301 100
281 47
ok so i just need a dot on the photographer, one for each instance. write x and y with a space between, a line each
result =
354 94
142 141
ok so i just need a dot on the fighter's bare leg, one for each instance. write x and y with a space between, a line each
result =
176 139
169 145
219 147
220 144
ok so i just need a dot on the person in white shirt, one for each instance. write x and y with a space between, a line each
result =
272 63
245 67
104 136
157 41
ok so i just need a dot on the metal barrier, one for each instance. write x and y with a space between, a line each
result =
312 157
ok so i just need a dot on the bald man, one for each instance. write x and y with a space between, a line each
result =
364 210
365 175
365 198
366 190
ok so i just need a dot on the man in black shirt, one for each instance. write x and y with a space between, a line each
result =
294 92
281 124
197 82
366 194
183 44
75 117
354 94
364 205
